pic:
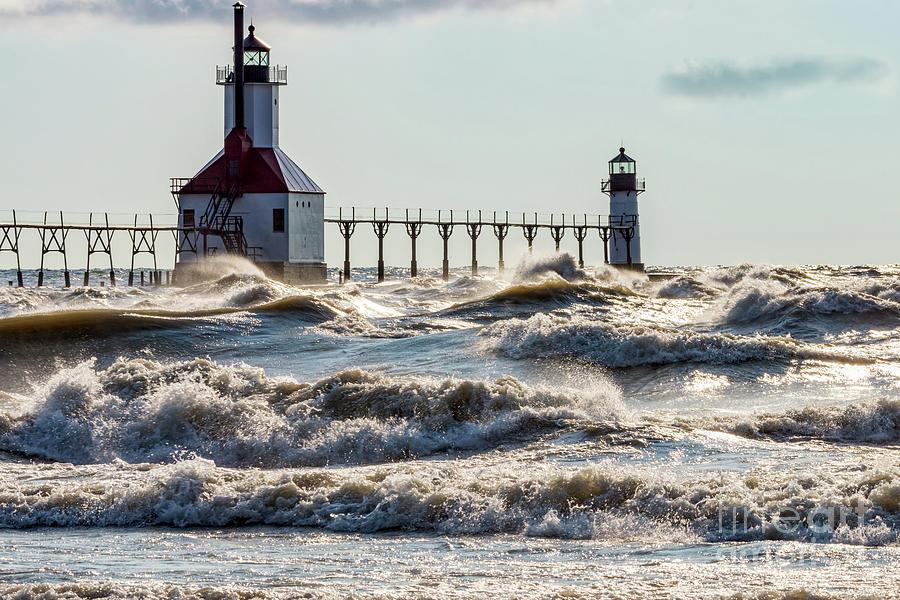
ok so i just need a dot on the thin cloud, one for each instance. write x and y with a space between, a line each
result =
726 79
325 12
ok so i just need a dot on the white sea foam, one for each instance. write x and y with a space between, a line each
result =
874 422
747 305
140 410
604 501
534 268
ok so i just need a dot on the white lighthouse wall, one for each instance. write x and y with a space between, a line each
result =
306 227
260 113
624 204
257 211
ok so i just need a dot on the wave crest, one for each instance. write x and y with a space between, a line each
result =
144 411
869 422
620 346
448 497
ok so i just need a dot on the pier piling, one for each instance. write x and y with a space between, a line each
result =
530 232
143 240
445 230
9 242
381 229
628 234
580 232
99 240
500 231
53 239
474 230
605 234
347 228
413 228
557 231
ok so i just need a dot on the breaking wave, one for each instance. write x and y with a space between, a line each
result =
874 422
600 501
802 304
687 286
109 321
559 265
145 411
619 346
526 297
730 276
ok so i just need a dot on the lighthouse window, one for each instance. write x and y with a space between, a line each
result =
188 218
278 220
620 168
256 58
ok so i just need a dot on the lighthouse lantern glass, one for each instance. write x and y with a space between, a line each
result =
258 58
621 168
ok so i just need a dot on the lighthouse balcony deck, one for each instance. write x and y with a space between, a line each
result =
640 185
278 75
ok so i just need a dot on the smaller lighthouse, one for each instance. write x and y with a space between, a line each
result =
623 188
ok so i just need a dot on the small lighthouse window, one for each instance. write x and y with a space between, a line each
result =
278 220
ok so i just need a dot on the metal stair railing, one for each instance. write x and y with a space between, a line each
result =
217 219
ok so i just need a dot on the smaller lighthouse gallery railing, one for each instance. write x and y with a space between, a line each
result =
277 74
640 185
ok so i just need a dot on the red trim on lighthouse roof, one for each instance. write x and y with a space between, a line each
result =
261 173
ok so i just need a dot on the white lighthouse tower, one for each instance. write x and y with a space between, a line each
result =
251 199
623 188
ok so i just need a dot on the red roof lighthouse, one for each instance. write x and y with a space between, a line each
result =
251 199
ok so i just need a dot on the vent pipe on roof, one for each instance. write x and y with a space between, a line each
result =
239 65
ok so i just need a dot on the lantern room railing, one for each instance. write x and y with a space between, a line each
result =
640 185
277 74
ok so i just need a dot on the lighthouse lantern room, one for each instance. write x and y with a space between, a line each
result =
251 199
623 188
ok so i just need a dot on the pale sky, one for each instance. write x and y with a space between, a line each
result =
767 131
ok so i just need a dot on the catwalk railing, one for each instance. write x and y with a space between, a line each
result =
474 221
54 229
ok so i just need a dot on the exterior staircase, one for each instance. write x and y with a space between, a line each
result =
217 219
